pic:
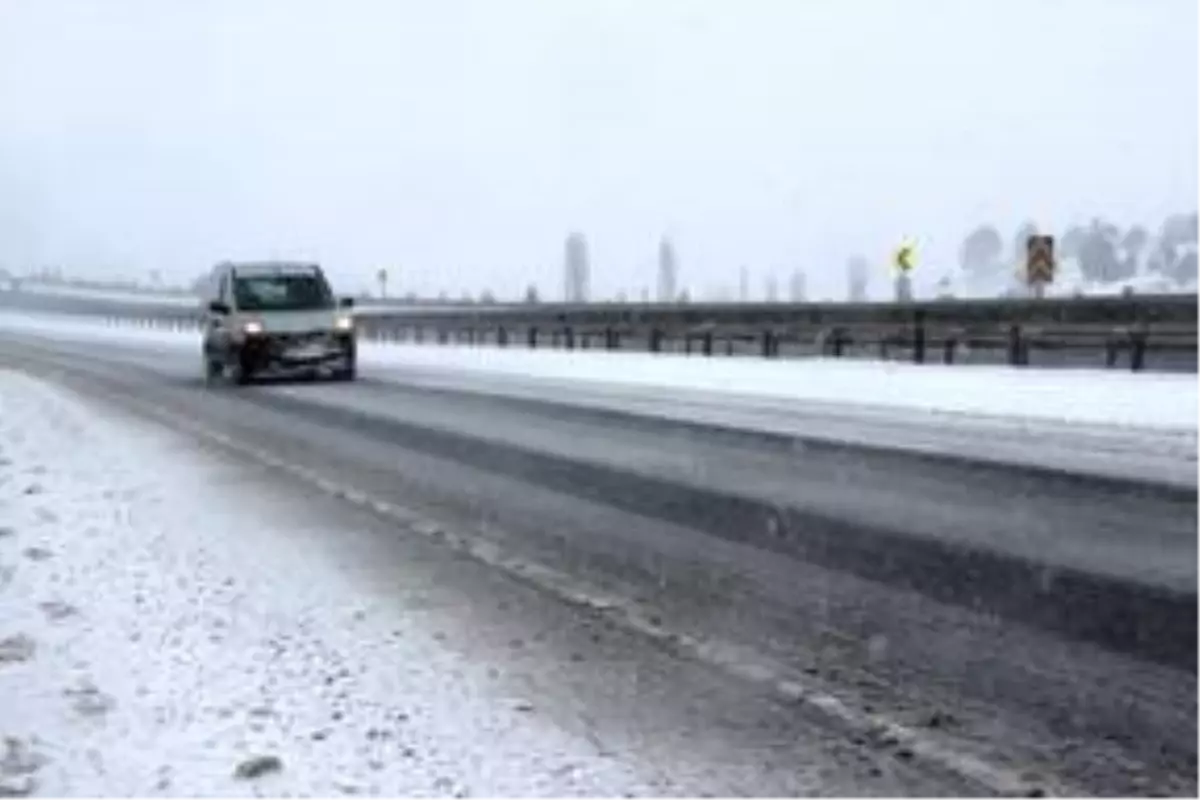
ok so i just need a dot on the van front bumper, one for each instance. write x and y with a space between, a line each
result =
266 351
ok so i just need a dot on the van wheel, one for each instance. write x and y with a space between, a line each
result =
212 371
238 372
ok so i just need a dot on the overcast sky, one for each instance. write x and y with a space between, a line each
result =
458 141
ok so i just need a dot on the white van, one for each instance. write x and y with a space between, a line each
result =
273 317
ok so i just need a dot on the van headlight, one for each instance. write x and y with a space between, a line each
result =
252 328
344 324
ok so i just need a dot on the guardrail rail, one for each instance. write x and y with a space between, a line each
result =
1154 332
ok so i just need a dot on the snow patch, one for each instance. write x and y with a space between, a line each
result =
192 634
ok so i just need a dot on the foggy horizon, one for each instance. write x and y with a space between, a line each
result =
459 144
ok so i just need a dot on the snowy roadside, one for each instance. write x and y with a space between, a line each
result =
156 637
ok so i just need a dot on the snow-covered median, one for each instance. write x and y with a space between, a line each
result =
1080 396
165 631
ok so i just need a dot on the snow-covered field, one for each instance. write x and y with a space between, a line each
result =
1075 396
167 619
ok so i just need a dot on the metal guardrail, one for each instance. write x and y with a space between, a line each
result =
1156 332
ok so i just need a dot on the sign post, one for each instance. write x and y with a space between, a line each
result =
904 261
1039 263
382 278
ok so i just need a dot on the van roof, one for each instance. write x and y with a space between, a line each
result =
272 267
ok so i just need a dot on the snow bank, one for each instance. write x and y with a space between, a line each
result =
1101 397
161 628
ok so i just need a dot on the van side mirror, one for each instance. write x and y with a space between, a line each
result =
217 307
346 302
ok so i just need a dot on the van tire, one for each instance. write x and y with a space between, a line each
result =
212 371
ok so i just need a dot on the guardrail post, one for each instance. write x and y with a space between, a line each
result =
501 337
1016 347
443 336
919 337
569 338
948 348
839 342
1112 351
687 344
419 335
729 345
708 343
1137 350
471 336
767 342
533 338
655 340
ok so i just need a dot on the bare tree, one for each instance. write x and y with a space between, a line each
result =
1190 227
980 253
798 287
771 289
1132 247
577 271
1174 254
668 271
1070 244
1180 229
1135 240
1098 253
1185 268
858 271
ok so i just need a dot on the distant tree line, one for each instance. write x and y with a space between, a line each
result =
1105 252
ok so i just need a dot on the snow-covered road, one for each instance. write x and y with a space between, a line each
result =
557 599
160 626
1100 422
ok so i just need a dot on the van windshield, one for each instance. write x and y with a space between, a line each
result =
284 292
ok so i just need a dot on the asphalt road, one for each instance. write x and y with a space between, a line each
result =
1023 629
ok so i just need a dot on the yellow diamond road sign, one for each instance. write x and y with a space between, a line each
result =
906 257
1039 260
